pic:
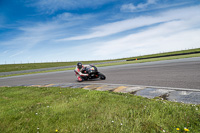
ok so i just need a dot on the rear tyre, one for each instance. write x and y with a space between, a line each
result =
85 78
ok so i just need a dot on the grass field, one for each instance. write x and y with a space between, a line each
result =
166 54
151 60
20 67
53 109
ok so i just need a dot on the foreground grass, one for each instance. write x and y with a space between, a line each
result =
32 109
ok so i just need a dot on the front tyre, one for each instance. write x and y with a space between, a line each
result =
102 77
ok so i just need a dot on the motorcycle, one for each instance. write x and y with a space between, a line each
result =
93 73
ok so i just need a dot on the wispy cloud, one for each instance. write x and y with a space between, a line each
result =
66 17
39 38
131 7
169 36
152 5
124 25
149 2
180 30
28 38
16 54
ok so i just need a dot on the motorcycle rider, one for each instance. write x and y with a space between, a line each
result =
80 71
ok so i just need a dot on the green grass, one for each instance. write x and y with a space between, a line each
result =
151 60
20 67
166 53
32 109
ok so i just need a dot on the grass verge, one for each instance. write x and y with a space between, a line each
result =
65 69
167 54
150 60
54 109
20 67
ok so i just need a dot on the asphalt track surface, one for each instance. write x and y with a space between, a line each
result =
179 73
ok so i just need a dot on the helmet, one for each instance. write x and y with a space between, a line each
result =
79 65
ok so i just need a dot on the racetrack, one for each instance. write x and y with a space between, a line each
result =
179 73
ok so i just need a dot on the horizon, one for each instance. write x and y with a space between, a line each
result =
48 31
94 60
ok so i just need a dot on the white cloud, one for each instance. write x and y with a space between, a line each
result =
74 18
170 36
120 26
131 7
128 7
39 37
149 2
16 54
31 35
64 16
28 39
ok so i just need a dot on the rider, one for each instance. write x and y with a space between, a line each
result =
80 71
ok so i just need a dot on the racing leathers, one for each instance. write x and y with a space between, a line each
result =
80 72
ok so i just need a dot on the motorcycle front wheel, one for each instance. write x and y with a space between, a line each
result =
101 76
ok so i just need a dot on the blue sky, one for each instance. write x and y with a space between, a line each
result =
72 30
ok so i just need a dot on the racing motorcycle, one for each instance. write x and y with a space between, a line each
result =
92 73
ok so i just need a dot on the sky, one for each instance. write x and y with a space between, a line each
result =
34 31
